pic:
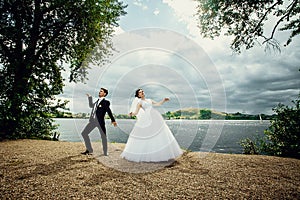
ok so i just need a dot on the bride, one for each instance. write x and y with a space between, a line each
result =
150 139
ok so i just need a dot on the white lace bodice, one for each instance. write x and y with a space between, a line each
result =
146 104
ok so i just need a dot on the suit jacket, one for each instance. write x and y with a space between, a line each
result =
100 110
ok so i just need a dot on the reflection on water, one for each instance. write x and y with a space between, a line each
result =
190 134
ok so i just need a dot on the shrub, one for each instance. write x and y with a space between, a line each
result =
283 134
282 138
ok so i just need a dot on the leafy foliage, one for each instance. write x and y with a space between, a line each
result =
245 20
282 137
249 146
254 146
284 133
205 114
36 37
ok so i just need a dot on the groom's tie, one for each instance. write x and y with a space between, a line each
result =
95 108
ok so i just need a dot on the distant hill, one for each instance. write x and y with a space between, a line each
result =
203 113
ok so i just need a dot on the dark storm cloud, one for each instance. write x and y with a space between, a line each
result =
256 81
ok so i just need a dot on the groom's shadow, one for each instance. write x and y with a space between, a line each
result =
64 164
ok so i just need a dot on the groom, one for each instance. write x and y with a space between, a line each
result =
100 108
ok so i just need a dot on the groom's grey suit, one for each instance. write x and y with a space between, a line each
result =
99 109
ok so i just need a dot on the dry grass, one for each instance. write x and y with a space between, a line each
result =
34 169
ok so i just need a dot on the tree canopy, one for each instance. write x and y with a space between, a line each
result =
36 37
246 20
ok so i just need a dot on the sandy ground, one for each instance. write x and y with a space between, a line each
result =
36 169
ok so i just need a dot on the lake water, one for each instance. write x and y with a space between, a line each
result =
194 135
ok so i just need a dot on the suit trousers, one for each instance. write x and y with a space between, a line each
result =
93 123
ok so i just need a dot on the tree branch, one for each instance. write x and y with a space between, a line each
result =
34 32
265 15
54 36
286 15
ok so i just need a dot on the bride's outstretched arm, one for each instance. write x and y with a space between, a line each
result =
138 107
161 102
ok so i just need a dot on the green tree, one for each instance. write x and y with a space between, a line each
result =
245 20
36 38
205 114
168 115
282 138
283 135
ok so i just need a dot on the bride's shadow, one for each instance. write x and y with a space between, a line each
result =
115 161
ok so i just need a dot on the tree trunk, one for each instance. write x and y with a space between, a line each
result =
17 96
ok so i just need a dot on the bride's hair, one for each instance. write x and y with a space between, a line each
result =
137 93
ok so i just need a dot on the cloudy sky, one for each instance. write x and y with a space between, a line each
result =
159 48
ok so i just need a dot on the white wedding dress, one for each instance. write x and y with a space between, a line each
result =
150 139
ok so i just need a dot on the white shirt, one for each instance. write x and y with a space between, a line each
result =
97 104
99 100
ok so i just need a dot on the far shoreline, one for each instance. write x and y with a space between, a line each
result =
264 120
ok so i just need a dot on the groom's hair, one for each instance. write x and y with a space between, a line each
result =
105 90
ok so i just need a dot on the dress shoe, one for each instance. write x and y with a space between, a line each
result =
87 153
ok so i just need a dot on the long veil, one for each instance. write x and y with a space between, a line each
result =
134 106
